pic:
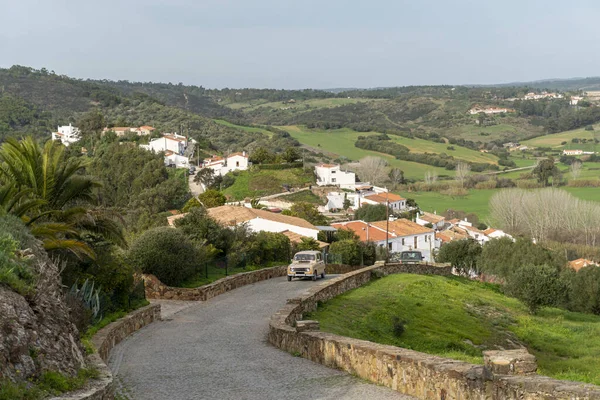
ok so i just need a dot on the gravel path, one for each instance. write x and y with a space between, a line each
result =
218 350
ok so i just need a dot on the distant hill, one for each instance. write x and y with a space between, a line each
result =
571 84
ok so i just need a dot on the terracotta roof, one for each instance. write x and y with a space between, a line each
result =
58 134
327 165
489 231
233 215
171 137
383 197
448 236
580 263
297 238
402 227
168 153
360 228
119 128
238 154
148 127
431 218
454 221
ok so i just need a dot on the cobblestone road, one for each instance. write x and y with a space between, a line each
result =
218 350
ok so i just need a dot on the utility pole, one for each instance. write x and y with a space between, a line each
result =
387 228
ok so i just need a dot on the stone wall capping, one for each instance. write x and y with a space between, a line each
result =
407 371
104 341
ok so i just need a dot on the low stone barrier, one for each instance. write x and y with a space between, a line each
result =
104 341
155 289
506 375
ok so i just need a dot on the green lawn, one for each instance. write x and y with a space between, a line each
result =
427 146
477 201
555 139
509 127
244 128
340 142
451 316
303 196
257 183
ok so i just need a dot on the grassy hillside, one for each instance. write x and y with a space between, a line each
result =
257 183
250 129
297 105
340 143
477 201
457 318
556 139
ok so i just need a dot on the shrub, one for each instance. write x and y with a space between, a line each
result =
398 327
166 253
267 247
371 212
584 289
212 198
584 183
348 250
461 254
491 184
528 184
536 286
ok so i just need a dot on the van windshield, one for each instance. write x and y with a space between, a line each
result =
411 255
304 257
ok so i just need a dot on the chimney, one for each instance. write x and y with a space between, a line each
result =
244 153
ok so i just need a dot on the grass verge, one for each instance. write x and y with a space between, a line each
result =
458 318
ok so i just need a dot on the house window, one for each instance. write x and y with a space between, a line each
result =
333 172
415 242
332 179
402 241
237 163
425 238
389 246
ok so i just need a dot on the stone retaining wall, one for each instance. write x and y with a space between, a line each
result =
421 375
104 341
155 289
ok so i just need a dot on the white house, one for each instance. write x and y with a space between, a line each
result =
489 110
496 233
262 220
437 221
575 100
223 165
403 235
67 134
331 175
572 152
467 228
123 130
174 146
396 203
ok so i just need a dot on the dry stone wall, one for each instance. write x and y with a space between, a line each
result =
155 289
104 341
421 375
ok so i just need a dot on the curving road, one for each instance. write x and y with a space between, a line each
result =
218 350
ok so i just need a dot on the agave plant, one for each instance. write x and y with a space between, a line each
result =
89 296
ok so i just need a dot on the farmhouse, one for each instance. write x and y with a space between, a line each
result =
222 166
437 221
581 263
572 152
489 110
331 175
403 235
396 203
262 220
67 134
123 130
174 146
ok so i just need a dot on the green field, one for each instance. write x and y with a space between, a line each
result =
458 318
477 201
257 183
244 128
298 105
555 139
427 146
509 128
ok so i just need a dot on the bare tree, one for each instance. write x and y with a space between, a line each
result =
396 175
372 169
431 177
576 168
462 171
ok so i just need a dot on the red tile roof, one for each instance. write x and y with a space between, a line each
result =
360 228
580 263
238 154
381 198
402 227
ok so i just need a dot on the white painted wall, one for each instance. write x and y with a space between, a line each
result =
163 144
327 176
426 244
177 160
70 134
259 224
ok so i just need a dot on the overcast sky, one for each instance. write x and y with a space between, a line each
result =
304 43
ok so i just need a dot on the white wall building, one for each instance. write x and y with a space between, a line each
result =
174 146
223 165
262 220
404 235
123 130
67 134
396 203
424 218
331 175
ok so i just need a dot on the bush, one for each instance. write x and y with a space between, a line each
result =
166 253
528 184
461 254
267 247
536 286
348 250
491 184
371 212
398 327
212 198
584 183
584 289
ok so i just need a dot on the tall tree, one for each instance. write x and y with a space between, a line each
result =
545 169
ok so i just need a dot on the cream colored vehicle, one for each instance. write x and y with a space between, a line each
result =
306 264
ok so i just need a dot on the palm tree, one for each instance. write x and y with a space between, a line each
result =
53 196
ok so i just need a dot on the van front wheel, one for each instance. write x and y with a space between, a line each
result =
289 278
314 278
323 275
